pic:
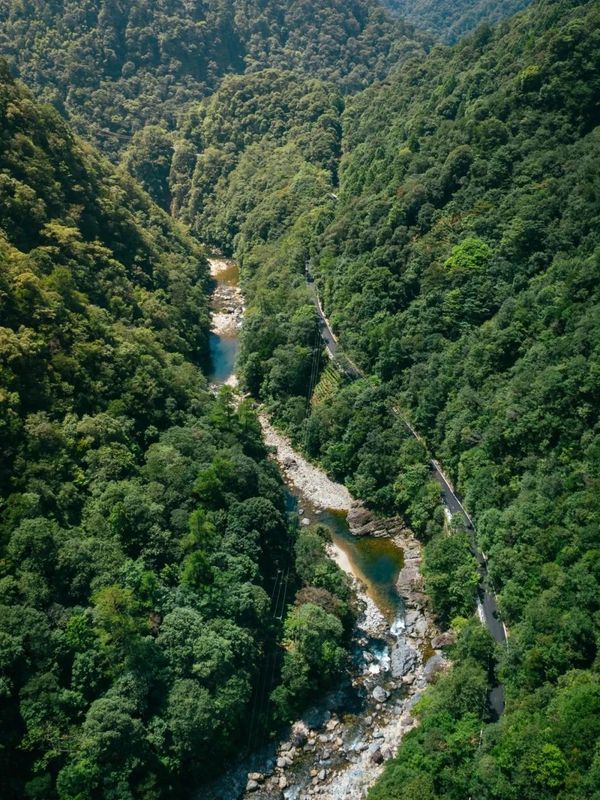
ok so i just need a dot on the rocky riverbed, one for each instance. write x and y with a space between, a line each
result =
227 303
338 749
308 480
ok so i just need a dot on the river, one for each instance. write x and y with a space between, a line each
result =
337 750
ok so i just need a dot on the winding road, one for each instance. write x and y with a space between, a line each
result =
487 605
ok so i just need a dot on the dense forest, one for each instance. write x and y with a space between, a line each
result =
144 531
449 21
458 262
114 67
448 208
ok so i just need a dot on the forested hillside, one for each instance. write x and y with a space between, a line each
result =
448 20
458 261
142 524
450 214
118 66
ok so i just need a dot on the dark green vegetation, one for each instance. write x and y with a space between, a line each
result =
146 559
460 267
450 214
118 66
451 19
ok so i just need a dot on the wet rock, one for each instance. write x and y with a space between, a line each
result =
315 717
403 659
252 786
380 695
256 776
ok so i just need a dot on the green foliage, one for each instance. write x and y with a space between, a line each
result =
113 68
316 628
459 268
451 20
451 576
142 520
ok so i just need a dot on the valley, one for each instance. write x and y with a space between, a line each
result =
299 347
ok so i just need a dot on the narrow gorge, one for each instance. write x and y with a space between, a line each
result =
337 749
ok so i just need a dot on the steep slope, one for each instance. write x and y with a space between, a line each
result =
459 264
117 66
142 523
449 20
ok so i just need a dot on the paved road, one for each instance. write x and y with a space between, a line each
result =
329 339
487 606
326 333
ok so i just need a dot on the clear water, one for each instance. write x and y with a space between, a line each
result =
376 562
223 355
224 348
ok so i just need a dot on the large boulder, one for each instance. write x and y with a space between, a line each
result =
403 659
363 522
380 695
433 667
443 640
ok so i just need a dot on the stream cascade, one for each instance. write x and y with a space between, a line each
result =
338 748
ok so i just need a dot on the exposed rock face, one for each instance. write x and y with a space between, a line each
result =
434 666
363 522
410 580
